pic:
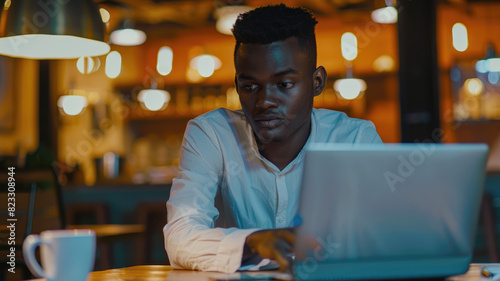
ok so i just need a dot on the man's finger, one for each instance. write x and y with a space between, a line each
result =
286 235
281 259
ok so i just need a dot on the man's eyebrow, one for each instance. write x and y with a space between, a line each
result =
281 73
246 77
285 72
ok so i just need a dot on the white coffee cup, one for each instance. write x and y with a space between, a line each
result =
67 255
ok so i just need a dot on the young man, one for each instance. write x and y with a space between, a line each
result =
254 157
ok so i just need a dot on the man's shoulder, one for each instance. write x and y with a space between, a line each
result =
221 117
327 117
220 114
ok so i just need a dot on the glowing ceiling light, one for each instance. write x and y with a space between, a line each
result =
93 65
349 88
193 76
493 77
384 63
104 15
493 64
349 46
481 66
459 34
226 16
72 105
165 60
205 64
113 64
154 99
386 15
127 37
474 86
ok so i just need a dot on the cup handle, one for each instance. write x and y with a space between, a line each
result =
29 246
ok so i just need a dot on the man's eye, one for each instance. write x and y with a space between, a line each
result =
286 85
250 87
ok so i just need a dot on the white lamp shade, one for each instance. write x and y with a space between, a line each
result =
52 30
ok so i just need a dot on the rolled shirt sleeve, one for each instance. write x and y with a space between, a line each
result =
191 240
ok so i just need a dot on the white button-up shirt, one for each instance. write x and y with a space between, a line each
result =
221 161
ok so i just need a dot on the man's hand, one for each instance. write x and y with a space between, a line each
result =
275 244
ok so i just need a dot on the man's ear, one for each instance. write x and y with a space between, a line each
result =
319 78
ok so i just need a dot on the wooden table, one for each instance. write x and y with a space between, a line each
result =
165 273
106 235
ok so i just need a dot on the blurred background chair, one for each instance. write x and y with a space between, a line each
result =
489 222
153 216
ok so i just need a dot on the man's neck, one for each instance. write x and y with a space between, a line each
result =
283 152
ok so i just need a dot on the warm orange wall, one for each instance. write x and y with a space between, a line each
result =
23 76
481 31
80 139
374 40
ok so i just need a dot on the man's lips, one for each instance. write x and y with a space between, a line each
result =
268 121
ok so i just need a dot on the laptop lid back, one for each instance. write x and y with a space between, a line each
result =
388 211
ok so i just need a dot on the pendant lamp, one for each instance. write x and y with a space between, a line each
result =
58 29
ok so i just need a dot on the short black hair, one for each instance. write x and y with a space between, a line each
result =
275 23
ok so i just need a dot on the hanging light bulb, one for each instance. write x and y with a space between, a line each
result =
349 46
459 34
87 65
127 35
165 60
104 15
385 15
154 99
113 64
71 104
474 86
349 88
205 64
384 63
493 64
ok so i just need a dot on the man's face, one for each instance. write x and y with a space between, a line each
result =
276 86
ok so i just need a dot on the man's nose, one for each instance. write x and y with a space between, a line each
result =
267 98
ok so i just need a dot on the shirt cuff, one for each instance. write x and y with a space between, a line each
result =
230 250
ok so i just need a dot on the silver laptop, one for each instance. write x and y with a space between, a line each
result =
388 211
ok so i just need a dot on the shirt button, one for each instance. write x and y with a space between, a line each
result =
281 220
